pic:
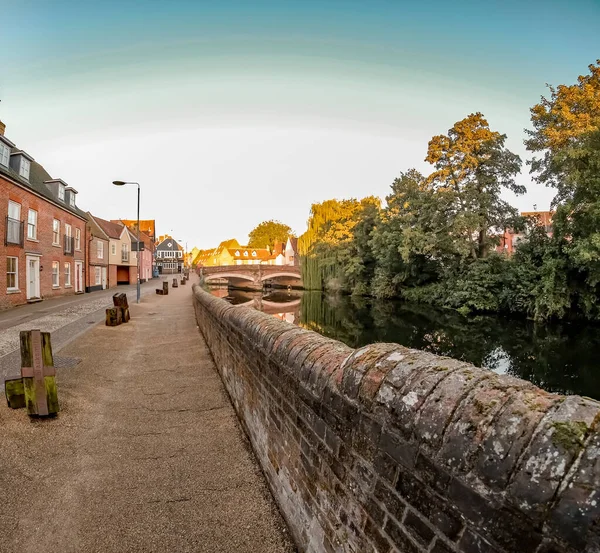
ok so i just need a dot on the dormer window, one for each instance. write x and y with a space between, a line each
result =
245 254
237 253
24 168
253 254
4 154
61 192
72 199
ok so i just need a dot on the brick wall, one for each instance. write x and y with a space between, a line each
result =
389 449
42 246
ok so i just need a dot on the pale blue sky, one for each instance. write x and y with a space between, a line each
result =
235 114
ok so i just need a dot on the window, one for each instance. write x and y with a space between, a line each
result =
67 274
245 254
72 199
32 225
24 168
100 249
56 232
124 252
237 253
14 210
98 275
14 230
4 155
55 274
12 273
61 192
77 239
253 254
114 249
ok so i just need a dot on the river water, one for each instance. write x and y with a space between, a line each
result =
559 358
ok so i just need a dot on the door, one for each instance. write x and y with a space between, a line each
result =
33 278
78 277
104 280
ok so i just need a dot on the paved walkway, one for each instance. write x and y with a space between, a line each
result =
145 456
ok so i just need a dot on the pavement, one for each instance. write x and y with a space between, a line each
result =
146 454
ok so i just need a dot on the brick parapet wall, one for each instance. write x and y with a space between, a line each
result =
390 449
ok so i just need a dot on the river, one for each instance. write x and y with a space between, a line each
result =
561 358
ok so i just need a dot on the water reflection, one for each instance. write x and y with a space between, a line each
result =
559 358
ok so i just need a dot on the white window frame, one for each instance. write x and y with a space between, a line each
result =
68 230
15 272
55 274
113 248
55 232
24 168
78 239
15 207
4 155
98 275
100 249
67 274
32 226
61 192
72 199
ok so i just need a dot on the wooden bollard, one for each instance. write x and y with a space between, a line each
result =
165 288
160 291
36 389
183 281
175 283
114 316
120 302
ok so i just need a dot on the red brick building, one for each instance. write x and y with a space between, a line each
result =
43 231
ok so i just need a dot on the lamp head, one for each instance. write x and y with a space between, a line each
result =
119 183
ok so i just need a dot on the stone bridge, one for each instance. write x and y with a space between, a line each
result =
253 277
392 450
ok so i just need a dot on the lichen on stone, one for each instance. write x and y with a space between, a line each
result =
569 435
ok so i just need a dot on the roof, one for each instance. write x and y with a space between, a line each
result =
112 230
148 226
37 177
164 245
261 253
294 243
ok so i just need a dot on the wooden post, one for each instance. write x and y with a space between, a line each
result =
120 302
175 283
39 375
114 316
15 393
165 288
183 281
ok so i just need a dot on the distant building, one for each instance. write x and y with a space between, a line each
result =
122 261
169 256
509 240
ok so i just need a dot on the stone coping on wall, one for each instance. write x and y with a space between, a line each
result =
446 456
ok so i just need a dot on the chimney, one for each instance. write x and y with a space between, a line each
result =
2 128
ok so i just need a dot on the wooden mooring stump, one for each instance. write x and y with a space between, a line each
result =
175 285
120 301
165 289
36 389
183 281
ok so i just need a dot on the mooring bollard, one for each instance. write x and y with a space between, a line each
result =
114 316
175 283
120 302
183 281
165 288
36 389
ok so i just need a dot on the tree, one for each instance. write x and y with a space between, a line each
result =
566 137
472 166
267 233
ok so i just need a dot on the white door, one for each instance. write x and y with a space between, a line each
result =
104 283
78 276
33 277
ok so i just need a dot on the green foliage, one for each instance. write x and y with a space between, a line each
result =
267 233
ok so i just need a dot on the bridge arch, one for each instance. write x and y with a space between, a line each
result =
232 275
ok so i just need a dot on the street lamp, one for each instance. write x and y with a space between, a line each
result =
123 183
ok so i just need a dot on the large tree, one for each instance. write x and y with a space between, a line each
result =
566 140
472 167
267 233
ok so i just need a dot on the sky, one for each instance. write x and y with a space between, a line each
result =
231 113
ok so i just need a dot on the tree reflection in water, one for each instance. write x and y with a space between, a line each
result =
558 357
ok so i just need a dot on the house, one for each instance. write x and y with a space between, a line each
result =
509 240
122 261
147 226
169 256
97 267
43 229
291 252
248 256
148 248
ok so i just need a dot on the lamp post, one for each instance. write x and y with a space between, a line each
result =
122 183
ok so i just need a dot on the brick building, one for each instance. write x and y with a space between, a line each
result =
98 243
43 251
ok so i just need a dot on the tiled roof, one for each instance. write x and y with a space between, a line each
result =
260 253
113 230
37 176
148 226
